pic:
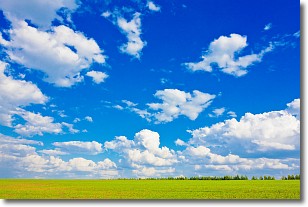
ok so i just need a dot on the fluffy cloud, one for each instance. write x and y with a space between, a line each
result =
180 142
223 52
294 108
174 103
275 130
15 94
36 124
97 76
61 53
41 13
79 147
142 152
151 6
131 29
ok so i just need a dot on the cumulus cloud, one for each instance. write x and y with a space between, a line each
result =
131 29
294 108
36 124
97 76
79 147
41 13
60 53
151 6
15 94
275 130
224 52
174 104
142 152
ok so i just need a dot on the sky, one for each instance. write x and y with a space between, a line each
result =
157 88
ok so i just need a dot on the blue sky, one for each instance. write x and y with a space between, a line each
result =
109 89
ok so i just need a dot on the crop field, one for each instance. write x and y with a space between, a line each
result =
149 189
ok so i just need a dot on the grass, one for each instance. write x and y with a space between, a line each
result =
149 189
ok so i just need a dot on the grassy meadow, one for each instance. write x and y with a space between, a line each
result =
149 189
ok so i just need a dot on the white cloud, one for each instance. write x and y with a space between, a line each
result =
268 26
294 108
61 53
224 53
275 130
36 124
296 34
76 120
118 107
16 93
119 144
218 112
16 141
70 128
106 14
180 142
79 147
131 29
174 103
41 13
143 153
145 172
97 76
53 152
199 151
88 118
232 114
152 6
129 103
203 158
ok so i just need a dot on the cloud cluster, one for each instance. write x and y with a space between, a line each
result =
61 53
19 159
275 130
229 147
41 13
224 52
15 94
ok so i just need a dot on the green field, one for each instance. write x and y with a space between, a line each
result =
149 189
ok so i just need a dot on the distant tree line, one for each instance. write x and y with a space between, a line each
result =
291 177
226 177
